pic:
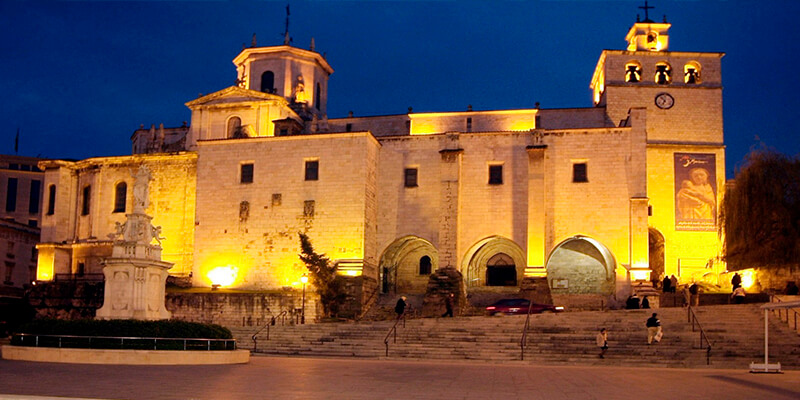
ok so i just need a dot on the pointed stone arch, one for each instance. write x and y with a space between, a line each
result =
581 265
400 265
475 265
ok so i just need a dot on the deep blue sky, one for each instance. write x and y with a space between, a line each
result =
79 77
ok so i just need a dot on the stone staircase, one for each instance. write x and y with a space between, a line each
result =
735 331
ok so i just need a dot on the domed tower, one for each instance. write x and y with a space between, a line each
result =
299 76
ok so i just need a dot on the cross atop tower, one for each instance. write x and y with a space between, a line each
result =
646 8
287 40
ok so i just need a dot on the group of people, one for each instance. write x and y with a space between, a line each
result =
633 302
449 302
654 334
669 284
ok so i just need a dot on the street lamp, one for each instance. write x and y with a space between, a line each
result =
303 279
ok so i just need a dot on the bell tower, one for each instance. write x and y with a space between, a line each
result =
298 75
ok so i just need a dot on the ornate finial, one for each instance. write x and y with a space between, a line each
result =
312 45
286 38
646 9
665 18
410 109
253 42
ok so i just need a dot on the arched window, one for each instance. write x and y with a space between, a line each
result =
120 196
87 199
691 73
51 199
633 72
234 127
425 265
268 82
663 73
317 96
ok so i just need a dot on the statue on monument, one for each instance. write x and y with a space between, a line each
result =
140 189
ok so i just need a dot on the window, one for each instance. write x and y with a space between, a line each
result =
246 175
87 198
312 170
235 127
317 96
579 172
410 176
469 124
425 265
81 269
9 273
11 194
691 73
120 197
33 199
663 73
277 199
51 199
308 208
10 250
495 174
348 128
33 223
268 82
633 72
283 132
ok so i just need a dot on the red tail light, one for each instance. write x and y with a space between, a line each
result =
490 308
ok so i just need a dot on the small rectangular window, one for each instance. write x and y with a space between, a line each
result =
308 208
579 173
410 177
33 199
9 273
348 128
283 132
276 199
495 174
312 170
11 195
51 200
33 223
469 124
246 173
87 199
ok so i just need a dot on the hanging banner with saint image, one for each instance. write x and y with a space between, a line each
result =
695 192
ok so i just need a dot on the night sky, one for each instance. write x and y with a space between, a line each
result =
80 77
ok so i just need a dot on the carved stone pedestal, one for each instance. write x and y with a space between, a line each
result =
134 289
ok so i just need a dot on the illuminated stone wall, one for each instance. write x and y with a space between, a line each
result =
70 238
253 227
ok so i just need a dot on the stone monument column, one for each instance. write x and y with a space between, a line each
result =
135 275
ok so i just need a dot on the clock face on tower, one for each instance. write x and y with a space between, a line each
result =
664 101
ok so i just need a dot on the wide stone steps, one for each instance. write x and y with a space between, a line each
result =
735 331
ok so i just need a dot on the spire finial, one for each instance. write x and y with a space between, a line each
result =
253 42
286 38
312 45
646 9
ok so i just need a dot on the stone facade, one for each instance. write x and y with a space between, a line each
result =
579 198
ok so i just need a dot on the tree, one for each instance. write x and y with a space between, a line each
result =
760 213
328 285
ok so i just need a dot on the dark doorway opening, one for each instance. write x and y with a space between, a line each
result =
501 271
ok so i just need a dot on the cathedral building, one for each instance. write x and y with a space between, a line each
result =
593 201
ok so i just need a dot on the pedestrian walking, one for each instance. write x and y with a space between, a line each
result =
673 283
400 307
653 329
736 281
694 290
448 305
738 295
602 341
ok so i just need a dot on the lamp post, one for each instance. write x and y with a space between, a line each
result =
303 279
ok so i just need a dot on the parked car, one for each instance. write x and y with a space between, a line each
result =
520 306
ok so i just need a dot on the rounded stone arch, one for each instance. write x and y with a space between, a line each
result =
656 253
581 265
400 265
475 264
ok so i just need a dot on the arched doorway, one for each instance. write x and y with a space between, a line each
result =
501 271
581 265
656 254
493 261
406 265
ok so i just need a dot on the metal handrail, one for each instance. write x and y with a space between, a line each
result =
369 299
524 340
393 330
692 318
773 298
62 343
282 316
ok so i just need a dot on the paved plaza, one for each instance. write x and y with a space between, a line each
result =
315 378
